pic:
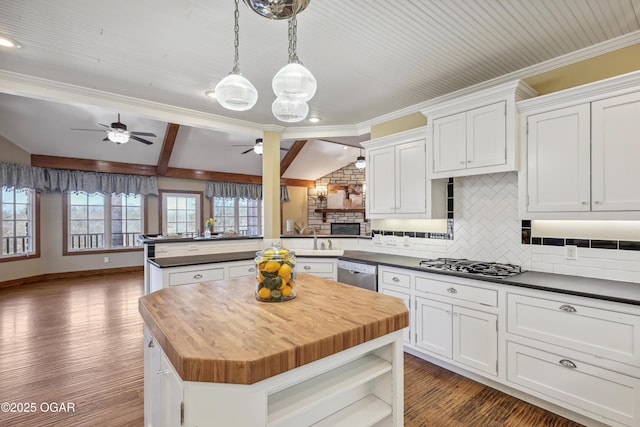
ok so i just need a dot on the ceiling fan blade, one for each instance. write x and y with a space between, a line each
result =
284 149
92 130
143 133
242 145
245 152
102 124
144 141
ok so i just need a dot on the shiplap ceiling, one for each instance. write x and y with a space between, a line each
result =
152 60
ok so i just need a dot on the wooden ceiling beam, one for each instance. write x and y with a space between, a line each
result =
291 155
167 148
149 170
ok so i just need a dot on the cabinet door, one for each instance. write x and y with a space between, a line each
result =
449 143
558 160
475 339
487 136
152 391
406 298
615 125
433 326
381 181
411 179
172 394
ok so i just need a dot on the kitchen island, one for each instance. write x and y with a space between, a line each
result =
214 355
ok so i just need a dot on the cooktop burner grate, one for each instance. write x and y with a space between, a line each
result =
483 268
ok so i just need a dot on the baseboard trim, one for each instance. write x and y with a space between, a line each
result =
68 275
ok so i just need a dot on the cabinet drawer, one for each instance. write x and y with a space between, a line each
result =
396 279
454 290
315 267
575 384
196 276
242 270
595 329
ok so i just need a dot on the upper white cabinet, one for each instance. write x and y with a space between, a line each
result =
580 149
476 133
397 185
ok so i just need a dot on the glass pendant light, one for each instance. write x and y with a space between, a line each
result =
360 162
294 81
289 110
235 92
277 9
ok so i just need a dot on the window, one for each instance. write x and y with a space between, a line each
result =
18 222
103 222
244 216
181 213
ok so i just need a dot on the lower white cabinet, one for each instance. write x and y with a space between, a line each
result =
605 395
406 298
360 386
173 276
327 268
464 335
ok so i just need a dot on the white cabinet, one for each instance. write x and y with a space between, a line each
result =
579 353
580 149
326 268
469 140
475 133
163 400
465 335
398 283
173 276
397 186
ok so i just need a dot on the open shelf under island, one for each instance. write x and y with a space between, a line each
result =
331 356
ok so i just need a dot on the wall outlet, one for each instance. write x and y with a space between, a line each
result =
571 252
106 259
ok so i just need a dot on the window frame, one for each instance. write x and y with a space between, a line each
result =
236 213
199 209
65 228
35 235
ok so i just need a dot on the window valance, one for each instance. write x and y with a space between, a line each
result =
48 180
240 190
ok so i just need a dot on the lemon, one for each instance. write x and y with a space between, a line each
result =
285 271
272 266
286 291
264 293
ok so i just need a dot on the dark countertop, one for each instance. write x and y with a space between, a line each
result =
611 290
183 261
158 238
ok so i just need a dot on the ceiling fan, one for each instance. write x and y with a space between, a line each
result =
119 134
257 147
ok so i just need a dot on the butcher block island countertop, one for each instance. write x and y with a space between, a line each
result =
219 332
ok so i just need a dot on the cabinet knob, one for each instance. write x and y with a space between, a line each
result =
395 279
598 202
568 364
452 290
251 270
307 267
462 162
197 276
468 161
163 371
568 308
150 343
585 203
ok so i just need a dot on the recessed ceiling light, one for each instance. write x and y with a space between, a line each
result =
9 42
210 94
314 119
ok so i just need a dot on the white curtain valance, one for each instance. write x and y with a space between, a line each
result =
49 180
240 190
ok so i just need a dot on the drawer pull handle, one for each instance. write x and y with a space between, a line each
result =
568 364
568 308
452 290
163 371
151 344
307 267
251 270
395 279
198 276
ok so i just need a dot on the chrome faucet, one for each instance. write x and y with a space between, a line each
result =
315 236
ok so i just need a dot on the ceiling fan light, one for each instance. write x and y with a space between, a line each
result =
118 136
277 9
289 110
235 92
258 148
294 81
360 163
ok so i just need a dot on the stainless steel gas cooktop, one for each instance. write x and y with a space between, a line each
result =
481 268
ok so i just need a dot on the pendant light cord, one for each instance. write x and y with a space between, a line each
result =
293 39
236 43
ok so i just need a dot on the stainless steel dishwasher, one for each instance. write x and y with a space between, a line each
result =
358 274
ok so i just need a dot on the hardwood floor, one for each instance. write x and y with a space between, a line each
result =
79 341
